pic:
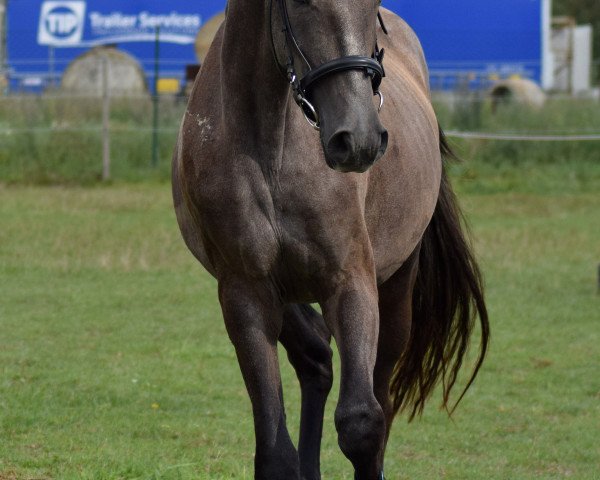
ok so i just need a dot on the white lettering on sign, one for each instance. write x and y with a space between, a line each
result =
172 21
61 23
118 22
113 21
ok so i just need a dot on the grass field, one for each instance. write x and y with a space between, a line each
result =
115 364
47 140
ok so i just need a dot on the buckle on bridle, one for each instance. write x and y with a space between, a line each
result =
308 109
380 95
310 113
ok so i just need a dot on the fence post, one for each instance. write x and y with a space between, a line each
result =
155 99
52 66
3 50
105 121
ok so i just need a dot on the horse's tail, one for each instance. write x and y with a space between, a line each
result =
447 298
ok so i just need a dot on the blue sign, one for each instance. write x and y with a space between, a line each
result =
40 50
462 39
478 38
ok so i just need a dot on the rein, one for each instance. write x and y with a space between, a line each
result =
372 67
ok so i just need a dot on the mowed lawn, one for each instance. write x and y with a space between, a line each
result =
115 364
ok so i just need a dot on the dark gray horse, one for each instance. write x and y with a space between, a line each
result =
284 216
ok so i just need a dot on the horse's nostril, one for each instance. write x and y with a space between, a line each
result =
383 145
351 151
340 145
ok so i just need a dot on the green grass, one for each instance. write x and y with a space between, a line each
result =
533 167
32 154
115 364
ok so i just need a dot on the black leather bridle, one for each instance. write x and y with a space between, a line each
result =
372 67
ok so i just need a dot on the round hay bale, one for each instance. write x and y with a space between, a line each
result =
206 35
85 74
517 90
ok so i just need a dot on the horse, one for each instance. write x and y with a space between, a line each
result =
309 170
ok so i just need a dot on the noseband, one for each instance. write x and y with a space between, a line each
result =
371 66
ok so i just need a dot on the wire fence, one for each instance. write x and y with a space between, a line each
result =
511 137
56 137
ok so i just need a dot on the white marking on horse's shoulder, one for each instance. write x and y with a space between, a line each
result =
205 134
205 127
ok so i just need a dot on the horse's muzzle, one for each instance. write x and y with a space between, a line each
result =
348 151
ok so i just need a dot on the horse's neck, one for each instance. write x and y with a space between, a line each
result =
254 91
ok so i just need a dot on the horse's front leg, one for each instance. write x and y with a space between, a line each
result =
353 317
253 317
306 339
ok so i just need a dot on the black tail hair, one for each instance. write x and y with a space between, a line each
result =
447 298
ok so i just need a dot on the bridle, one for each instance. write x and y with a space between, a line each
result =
372 67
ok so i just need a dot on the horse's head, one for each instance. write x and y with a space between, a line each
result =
337 68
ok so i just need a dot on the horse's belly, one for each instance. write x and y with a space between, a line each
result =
403 193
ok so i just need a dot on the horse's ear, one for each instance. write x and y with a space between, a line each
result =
380 17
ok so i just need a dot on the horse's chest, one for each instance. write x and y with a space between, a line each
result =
264 231
237 220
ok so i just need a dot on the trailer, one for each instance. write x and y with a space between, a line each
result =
481 41
45 36
468 43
